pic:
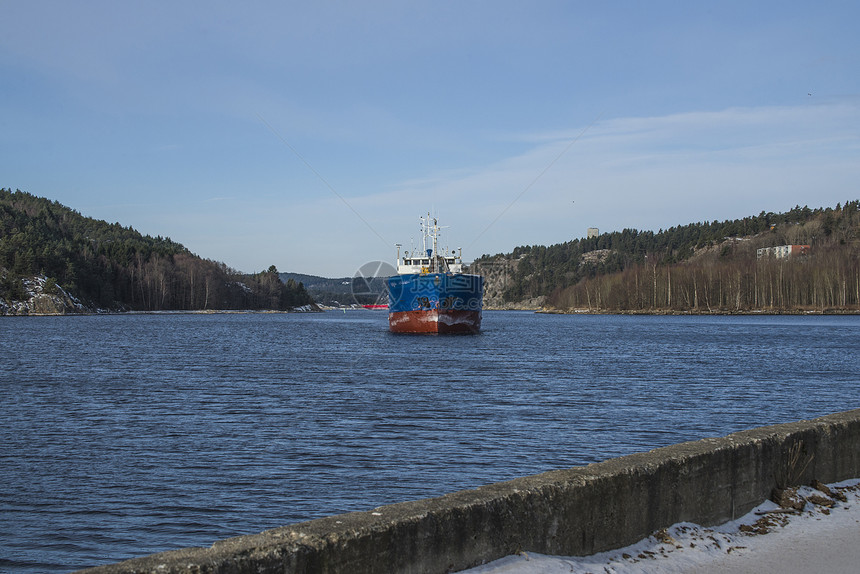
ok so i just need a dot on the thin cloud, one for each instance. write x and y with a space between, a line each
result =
656 172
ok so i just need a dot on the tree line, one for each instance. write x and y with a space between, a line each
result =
824 280
110 266
700 267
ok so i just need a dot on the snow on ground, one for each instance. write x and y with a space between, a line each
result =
767 540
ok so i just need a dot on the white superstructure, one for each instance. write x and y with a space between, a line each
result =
429 259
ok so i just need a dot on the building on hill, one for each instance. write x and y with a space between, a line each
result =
782 251
592 232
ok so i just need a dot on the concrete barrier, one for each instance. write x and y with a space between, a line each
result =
577 511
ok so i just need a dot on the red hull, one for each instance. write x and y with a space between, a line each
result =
435 321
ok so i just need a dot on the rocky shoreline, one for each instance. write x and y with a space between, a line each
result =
44 298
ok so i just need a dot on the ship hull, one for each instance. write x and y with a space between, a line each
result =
435 321
435 303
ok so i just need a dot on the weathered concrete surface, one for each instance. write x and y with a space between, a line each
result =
577 511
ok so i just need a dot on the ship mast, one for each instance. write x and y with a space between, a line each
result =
435 236
430 230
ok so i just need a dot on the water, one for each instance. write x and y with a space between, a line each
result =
126 435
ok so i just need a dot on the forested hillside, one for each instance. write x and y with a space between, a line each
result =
702 267
109 266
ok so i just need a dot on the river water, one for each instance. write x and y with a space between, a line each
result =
124 435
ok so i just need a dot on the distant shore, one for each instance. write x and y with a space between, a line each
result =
543 311
302 309
699 312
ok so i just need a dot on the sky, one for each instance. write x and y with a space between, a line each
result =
311 136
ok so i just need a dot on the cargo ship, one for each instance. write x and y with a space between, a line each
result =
430 293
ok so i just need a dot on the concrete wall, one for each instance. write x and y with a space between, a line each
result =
577 511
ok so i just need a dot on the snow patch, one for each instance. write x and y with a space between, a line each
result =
766 531
37 302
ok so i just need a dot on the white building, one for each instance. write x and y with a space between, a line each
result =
781 251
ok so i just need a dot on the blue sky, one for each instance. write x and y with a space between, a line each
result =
311 136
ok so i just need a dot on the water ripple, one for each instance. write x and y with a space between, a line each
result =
125 435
